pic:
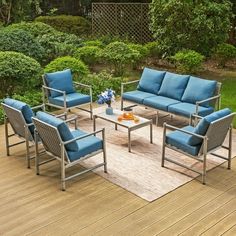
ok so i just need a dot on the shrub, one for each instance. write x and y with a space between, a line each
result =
34 28
88 54
196 25
143 52
155 49
58 44
224 52
1 115
66 23
32 97
78 68
20 41
188 61
96 43
101 82
18 72
119 54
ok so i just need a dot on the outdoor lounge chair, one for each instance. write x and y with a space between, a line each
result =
19 115
197 142
66 146
59 92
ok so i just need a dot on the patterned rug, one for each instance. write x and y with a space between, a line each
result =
140 171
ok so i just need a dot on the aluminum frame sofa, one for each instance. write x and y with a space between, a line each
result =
177 94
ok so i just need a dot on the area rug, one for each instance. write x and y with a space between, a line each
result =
140 171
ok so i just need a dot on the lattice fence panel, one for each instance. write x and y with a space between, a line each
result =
129 20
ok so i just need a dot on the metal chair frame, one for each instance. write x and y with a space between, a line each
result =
215 100
56 149
211 142
46 91
13 116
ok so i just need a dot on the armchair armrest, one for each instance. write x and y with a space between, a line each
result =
52 89
217 98
74 118
194 117
183 131
86 86
42 106
85 136
126 83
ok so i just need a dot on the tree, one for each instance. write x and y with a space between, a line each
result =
17 10
190 24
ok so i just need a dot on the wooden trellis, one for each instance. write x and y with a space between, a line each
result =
128 20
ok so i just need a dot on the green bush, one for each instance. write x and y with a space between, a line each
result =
66 23
96 43
100 82
88 54
119 54
18 72
188 61
58 44
34 28
143 52
224 52
196 25
19 40
155 49
32 97
1 116
78 68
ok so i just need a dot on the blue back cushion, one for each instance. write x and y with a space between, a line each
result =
61 126
151 80
198 90
203 125
173 85
61 80
21 106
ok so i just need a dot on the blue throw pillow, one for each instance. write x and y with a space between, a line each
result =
198 90
203 125
61 80
62 128
151 80
173 85
21 106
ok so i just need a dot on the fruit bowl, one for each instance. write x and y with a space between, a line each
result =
128 116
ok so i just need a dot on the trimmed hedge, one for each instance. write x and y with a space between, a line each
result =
66 23
18 73
78 68
19 40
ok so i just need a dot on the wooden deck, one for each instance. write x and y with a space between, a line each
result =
34 205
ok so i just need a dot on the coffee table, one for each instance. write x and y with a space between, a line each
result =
129 124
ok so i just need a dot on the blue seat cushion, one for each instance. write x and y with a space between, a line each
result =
186 109
61 80
62 128
72 99
173 85
151 80
179 140
137 96
203 125
86 145
199 89
21 106
159 102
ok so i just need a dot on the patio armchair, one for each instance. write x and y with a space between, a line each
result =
68 147
59 91
19 115
196 142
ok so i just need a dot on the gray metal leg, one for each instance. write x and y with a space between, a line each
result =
7 136
94 124
151 139
63 175
122 104
163 146
36 153
91 111
204 160
129 140
104 150
230 147
27 147
115 126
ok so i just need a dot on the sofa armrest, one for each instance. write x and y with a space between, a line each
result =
216 98
127 83
193 118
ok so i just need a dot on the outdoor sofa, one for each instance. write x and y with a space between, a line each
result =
177 94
